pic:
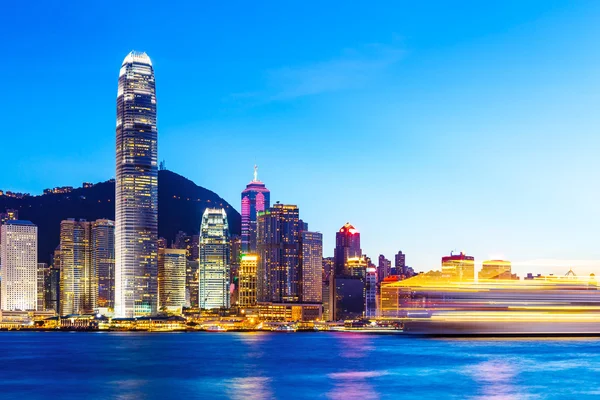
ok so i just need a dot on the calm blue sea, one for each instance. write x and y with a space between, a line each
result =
40 365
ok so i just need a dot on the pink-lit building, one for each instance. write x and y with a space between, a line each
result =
255 198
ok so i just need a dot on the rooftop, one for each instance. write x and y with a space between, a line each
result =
19 222
138 57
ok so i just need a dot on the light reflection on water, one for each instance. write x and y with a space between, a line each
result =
293 366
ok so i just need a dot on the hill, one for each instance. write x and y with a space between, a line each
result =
180 206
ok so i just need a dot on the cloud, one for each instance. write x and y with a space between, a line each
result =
354 69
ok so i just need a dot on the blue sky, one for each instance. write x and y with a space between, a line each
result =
431 127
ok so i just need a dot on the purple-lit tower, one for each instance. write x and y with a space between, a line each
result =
256 197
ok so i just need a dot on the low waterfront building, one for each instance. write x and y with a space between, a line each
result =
290 312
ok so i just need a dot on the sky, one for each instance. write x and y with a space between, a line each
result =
430 126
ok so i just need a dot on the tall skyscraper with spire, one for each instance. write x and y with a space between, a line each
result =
136 224
255 198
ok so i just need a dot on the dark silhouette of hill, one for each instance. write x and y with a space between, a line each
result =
180 206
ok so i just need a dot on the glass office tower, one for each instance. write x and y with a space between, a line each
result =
214 266
136 224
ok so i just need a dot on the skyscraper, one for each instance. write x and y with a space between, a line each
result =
103 261
400 263
255 198
235 255
19 265
171 279
43 285
78 284
192 283
347 245
311 276
136 198
384 268
247 280
371 293
328 289
278 242
214 268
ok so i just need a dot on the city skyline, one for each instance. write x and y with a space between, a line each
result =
296 200
432 178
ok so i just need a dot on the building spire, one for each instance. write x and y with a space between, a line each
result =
255 173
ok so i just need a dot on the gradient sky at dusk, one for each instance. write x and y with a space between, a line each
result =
431 127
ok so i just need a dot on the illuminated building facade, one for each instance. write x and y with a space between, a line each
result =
214 266
459 267
311 261
496 269
255 198
289 312
328 289
192 284
235 254
171 279
278 254
103 261
43 285
384 268
18 251
356 266
351 288
136 223
347 245
78 281
371 293
247 280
